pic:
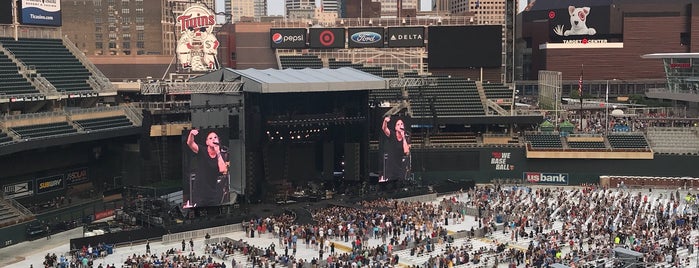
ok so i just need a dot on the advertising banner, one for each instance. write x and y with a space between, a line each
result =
77 176
41 12
288 38
17 190
406 36
50 184
197 47
546 178
365 37
326 38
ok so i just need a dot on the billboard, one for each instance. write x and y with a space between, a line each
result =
50 184
406 36
546 178
77 176
19 189
326 37
365 37
197 46
465 46
288 38
206 160
41 12
580 24
395 148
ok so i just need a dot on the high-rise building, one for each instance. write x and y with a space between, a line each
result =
298 4
484 12
331 6
389 8
441 5
260 9
241 8
115 27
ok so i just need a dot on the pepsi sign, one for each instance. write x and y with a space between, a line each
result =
326 38
365 37
546 178
288 38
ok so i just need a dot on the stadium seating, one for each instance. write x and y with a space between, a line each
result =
446 97
4 137
300 62
53 61
586 144
497 91
546 141
11 81
43 130
95 124
453 139
673 140
627 141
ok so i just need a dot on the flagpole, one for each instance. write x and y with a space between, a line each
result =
580 86
606 110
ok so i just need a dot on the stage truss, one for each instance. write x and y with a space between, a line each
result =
175 88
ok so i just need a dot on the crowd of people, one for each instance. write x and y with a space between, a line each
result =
526 226
593 222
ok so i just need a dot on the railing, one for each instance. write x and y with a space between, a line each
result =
133 113
97 76
214 231
31 32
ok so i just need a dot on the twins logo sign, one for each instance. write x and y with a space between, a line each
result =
546 178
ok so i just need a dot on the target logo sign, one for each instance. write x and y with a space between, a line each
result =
327 38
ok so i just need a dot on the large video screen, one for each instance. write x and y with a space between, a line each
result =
288 38
41 12
6 11
206 162
464 46
395 148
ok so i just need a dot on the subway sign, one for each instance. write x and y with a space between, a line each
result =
546 178
50 184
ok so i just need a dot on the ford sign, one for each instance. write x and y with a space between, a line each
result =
366 37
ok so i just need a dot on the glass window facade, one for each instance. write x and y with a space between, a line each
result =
682 74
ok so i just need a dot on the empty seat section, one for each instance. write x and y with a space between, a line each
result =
497 91
545 141
632 141
4 137
446 97
44 130
94 124
11 81
52 61
300 62
586 144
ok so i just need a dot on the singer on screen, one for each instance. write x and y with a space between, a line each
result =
210 170
396 150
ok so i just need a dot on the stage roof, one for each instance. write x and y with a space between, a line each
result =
671 56
296 80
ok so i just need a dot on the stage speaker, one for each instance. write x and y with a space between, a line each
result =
328 160
234 125
352 161
144 141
